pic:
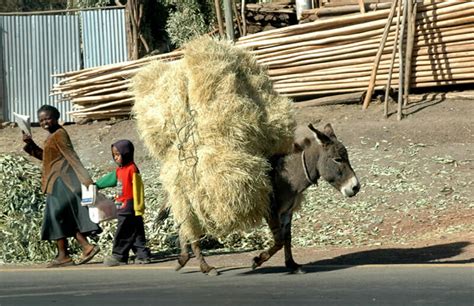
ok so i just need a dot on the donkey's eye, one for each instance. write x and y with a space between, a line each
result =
338 160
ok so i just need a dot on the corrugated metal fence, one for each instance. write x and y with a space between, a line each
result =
34 47
104 37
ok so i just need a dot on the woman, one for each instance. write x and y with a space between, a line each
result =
62 176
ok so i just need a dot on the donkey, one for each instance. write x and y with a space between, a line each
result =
315 155
319 155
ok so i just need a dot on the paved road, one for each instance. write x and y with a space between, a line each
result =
424 284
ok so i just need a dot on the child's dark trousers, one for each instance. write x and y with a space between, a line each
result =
130 235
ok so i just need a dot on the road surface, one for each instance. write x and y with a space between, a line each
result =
94 284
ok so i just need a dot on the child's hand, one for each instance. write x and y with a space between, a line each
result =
120 205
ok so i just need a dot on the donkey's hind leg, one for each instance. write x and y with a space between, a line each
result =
205 268
184 256
275 227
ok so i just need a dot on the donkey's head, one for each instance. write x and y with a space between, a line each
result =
327 157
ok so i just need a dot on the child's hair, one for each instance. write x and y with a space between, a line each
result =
49 108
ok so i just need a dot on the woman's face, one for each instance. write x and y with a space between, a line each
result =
47 120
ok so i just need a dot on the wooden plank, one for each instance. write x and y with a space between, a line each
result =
349 98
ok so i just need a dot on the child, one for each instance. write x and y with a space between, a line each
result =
130 233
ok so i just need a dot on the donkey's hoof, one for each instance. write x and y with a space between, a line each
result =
255 262
213 272
298 270
178 266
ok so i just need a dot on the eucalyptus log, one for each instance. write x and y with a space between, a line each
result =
311 27
383 72
363 49
350 25
127 101
96 99
351 98
346 9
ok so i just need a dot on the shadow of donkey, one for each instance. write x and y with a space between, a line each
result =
425 255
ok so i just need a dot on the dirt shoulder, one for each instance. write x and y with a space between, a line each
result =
458 249
417 199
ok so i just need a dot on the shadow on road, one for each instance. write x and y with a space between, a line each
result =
431 254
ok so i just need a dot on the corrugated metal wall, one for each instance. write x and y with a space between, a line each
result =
35 47
103 34
2 76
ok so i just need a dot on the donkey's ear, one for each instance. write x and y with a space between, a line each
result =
299 146
329 131
320 137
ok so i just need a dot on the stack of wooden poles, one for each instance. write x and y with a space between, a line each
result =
346 54
337 55
102 92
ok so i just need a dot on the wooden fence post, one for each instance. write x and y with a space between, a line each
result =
373 76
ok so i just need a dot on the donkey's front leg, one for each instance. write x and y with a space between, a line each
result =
286 225
275 227
205 268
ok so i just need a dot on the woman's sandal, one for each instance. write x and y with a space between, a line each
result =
89 256
55 263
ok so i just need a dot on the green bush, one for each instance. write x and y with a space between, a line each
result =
191 18
21 212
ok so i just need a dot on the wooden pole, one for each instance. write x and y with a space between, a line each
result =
412 7
392 61
237 18
401 53
370 88
455 76
229 20
356 48
313 26
346 9
428 50
134 22
128 29
349 73
362 6
350 98
217 5
329 32
244 19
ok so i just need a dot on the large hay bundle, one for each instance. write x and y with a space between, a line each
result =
213 119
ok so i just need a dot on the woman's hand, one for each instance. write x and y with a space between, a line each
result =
27 138
88 183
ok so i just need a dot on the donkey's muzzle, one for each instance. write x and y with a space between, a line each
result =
351 187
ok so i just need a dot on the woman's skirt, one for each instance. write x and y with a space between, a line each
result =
64 215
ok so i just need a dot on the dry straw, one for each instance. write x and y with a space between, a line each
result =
212 119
